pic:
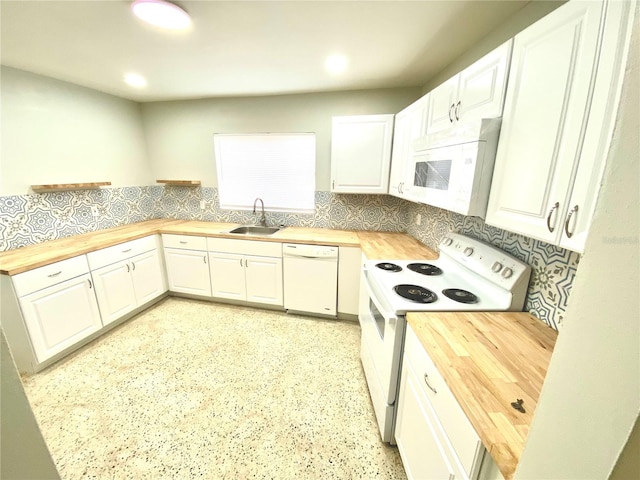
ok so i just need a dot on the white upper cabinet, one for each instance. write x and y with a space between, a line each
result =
475 93
361 153
564 86
409 126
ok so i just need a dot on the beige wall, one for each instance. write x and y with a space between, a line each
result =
529 14
591 397
180 134
57 132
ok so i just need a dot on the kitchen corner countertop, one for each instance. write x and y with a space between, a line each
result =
376 245
488 360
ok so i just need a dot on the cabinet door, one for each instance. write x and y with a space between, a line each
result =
114 289
361 153
348 279
148 277
482 86
548 96
227 276
264 280
441 105
612 60
400 152
419 441
188 271
60 316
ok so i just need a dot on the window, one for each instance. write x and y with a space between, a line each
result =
277 167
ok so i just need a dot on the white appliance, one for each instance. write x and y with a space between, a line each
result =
469 275
310 274
455 173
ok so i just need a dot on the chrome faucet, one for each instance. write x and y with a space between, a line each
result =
263 219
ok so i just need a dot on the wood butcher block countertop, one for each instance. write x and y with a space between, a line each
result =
488 360
376 245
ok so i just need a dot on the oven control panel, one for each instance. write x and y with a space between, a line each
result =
486 260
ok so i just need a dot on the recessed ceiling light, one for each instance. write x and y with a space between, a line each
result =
336 63
135 80
161 14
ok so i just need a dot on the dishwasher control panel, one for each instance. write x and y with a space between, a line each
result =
309 251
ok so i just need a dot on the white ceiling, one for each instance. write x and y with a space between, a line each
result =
241 48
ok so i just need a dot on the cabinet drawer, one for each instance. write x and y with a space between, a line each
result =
122 251
456 425
185 242
244 247
39 278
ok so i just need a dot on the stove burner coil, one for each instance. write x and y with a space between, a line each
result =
389 267
459 295
415 293
424 268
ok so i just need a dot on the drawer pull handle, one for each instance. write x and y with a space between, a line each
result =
128 268
133 266
127 250
183 242
205 259
90 284
555 207
450 110
54 274
457 111
426 380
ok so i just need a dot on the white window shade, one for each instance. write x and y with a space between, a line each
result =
277 167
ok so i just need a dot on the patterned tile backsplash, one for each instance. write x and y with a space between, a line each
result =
35 218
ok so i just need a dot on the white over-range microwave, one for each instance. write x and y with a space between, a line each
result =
457 176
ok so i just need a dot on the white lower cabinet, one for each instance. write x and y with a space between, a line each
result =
417 433
126 285
349 259
60 314
435 438
187 264
239 276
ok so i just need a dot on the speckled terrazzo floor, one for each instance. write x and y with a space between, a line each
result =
192 389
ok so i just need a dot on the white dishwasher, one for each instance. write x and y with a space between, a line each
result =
310 278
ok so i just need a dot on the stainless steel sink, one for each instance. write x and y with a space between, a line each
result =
254 230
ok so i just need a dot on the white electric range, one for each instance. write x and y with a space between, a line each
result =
469 275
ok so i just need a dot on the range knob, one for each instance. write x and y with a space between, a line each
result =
468 251
496 267
507 272
447 241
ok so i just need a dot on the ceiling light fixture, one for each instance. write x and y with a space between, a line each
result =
336 63
135 80
161 14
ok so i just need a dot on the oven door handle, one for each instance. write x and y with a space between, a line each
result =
386 313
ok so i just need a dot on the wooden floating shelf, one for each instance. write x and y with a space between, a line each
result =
180 183
63 187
